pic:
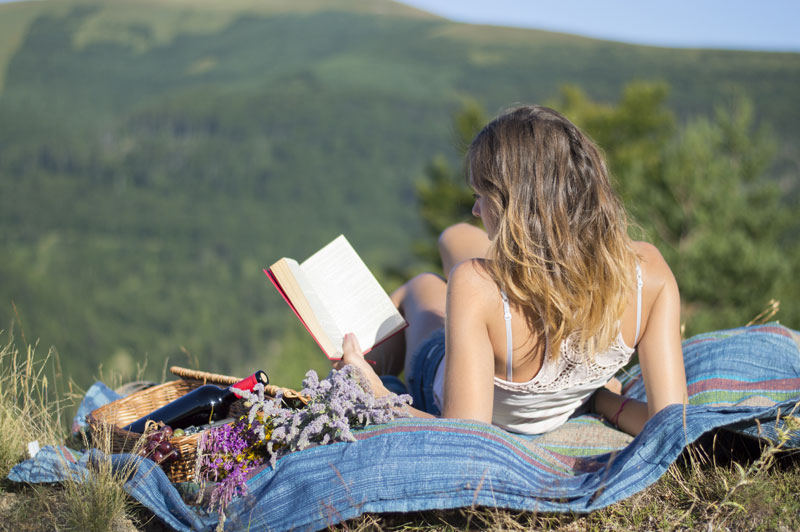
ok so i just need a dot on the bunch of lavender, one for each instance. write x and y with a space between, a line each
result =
336 405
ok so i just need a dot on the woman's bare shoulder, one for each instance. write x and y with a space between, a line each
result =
654 267
472 276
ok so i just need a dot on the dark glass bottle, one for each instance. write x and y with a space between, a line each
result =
200 406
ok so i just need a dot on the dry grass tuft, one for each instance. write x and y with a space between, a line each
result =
27 414
98 503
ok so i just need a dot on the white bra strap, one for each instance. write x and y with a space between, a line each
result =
639 284
509 343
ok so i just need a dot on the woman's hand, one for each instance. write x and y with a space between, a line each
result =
353 356
614 385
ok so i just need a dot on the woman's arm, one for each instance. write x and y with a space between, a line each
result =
354 356
469 360
660 354
629 415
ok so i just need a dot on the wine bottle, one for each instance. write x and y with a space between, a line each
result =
200 406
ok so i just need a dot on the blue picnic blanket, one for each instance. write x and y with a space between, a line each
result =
744 379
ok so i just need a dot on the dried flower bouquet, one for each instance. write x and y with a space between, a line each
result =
337 405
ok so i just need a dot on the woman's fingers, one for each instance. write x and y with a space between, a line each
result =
351 352
350 347
353 355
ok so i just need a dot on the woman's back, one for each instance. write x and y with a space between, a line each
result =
544 390
530 343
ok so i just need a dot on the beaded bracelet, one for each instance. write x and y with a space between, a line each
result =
615 419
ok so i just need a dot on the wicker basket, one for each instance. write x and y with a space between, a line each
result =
203 377
106 421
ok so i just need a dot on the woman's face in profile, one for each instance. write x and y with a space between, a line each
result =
481 210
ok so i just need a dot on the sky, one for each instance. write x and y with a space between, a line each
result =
772 25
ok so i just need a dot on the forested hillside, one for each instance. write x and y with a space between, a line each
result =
155 156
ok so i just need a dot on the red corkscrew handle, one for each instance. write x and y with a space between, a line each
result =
250 382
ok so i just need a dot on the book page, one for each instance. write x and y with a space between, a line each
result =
303 298
355 299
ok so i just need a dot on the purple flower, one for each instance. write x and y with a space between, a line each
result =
336 406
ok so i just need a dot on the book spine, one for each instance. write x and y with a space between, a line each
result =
277 286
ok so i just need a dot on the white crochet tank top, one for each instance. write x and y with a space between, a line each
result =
559 388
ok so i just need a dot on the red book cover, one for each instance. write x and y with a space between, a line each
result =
277 286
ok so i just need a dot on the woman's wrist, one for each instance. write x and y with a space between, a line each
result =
625 413
615 418
375 383
379 390
608 404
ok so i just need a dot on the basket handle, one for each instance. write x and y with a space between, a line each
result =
216 378
203 376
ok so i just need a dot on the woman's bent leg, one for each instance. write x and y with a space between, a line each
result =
423 302
461 242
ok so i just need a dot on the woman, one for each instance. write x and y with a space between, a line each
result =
540 310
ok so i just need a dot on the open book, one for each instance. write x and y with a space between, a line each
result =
334 293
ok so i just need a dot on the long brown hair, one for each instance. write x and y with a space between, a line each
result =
561 250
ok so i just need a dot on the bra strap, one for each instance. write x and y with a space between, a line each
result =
639 284
509 344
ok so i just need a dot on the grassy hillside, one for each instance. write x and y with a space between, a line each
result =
154 156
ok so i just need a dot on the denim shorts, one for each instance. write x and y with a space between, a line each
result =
427 359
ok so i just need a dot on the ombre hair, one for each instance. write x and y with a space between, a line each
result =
561 249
